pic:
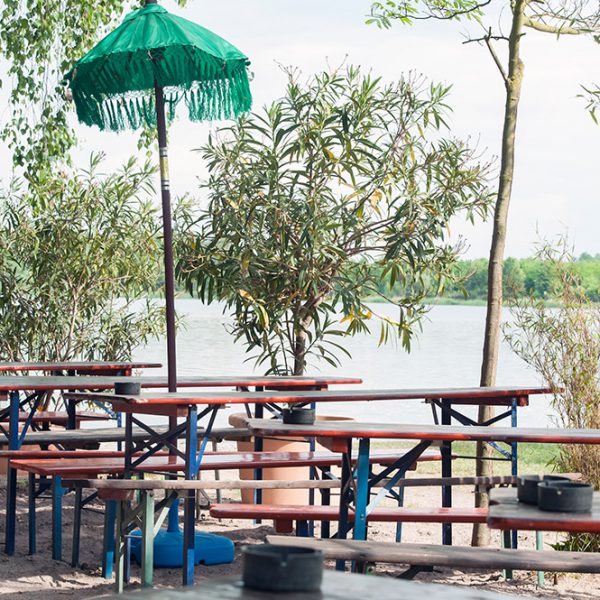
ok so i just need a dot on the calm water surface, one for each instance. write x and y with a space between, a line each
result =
446 354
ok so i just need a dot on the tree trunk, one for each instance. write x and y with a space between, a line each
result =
300 346
491 347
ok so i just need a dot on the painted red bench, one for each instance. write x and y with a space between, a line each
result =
284 516
90 465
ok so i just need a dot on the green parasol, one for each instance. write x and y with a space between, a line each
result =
155 61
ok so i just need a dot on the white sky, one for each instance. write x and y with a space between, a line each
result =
557 177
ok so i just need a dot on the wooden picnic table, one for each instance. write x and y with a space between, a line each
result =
339 435
507 513
36 386
82 367
336 586
195 406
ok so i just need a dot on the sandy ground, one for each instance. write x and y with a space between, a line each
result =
39 577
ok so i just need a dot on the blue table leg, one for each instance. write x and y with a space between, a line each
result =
446 449
78 507
362 492
108 555
32 519
400 503
189 537
345 498
258 447
71 414
57 496
11 476
514 457
11 511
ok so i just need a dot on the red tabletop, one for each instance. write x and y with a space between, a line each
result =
190 398
351 429
507 513
61 418
21 367
49 383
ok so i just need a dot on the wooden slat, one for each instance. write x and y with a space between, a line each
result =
92 466
49 383
330 513
87 437
448 556
23 367
61 418
354 429
185 398
507 513
336 586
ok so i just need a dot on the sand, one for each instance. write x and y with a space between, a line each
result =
39 577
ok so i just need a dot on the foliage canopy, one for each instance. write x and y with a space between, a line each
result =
340 183
77 255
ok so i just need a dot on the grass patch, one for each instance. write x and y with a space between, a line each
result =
533 458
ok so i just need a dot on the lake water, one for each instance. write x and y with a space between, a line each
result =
447 353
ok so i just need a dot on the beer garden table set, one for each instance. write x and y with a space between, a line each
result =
187 410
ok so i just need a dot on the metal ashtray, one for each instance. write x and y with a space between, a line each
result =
565 496
282 568
127 388
527 486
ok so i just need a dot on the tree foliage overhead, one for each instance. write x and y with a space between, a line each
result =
39 42
340 183
78 253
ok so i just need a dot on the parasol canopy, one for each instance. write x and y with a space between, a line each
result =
113 84
141 72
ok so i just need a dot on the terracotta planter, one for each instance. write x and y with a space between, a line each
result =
280 497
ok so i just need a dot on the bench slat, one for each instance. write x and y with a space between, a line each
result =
448 556
92 467
330 513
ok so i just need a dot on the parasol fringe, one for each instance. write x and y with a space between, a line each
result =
211 98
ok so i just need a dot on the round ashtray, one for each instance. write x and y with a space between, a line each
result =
127 388
527 486
565 496
299 416
282 568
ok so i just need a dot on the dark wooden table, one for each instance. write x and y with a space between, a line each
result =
507 513
339 435
79 367
336 586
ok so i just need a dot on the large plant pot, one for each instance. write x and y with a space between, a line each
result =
280 497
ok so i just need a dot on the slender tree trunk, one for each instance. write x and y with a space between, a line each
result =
300 346
513 81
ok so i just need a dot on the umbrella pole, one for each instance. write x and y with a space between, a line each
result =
165 191
167 237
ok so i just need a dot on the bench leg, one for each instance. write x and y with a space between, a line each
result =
345 492
57 496
108 551
514 458
325 501
539 545
400 503
446 450
302 528
11 511
31 511
507 543
76 526
362 493
147 538
121 548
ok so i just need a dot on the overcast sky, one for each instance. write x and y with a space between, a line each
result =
557 177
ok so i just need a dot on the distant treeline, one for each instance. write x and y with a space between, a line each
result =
521 276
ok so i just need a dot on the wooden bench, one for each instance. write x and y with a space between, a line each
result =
143 514
284 516
423 557
89 464
92 438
